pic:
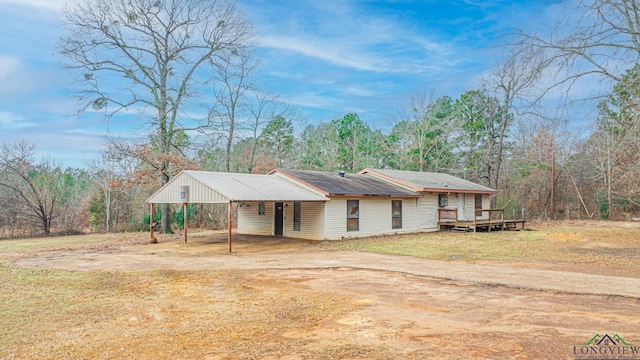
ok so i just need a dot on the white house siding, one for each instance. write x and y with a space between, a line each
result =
335 218
311 221
374 217
251 223
198 192
485 205
428 211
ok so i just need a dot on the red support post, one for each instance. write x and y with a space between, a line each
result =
185 221
229 225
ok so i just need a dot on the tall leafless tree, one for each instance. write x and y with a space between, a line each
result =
514 83
151 55
230 91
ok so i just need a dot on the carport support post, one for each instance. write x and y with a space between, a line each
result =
185 221
229 225
152 239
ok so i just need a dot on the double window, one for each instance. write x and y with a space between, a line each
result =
353 215
396 214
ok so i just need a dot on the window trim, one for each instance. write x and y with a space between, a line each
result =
355 218
443 200
394 217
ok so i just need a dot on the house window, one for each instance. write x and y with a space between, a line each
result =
261 208
478 201
353 215
296 216
443 200
396 214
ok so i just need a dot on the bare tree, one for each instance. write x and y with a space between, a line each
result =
33 185
230 103
104 174
513 82
149 54
596 38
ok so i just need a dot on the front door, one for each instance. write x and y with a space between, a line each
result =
278 219
461 207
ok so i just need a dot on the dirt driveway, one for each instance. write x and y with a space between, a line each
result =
405 307
266 253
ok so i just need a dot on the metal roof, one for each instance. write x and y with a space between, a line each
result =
331 183
215 187
429 181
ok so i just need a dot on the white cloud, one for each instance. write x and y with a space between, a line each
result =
358 91
40 4
9 120
357 39
317 49
9 65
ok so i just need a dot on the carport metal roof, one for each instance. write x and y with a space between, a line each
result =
219 188
227 188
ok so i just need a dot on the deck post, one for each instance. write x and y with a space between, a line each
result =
229 225
152 239
185 221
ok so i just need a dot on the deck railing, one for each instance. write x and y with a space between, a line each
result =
488 219
494 215
480 215
447 215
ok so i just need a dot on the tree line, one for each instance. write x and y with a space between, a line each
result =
189 65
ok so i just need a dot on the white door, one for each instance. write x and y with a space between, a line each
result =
461 207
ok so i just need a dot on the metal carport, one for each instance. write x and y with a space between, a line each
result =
207 187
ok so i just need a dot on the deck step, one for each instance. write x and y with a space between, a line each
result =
460 229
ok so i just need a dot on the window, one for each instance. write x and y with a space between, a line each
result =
296 216
261 208
396 214
443 200
353 215
478 201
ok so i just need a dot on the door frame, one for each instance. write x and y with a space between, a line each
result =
278 219
461 215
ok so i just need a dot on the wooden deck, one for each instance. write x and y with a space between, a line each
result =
484 220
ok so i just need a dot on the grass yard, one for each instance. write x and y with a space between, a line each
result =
611 248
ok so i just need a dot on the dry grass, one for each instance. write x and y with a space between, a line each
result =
590 246
51 314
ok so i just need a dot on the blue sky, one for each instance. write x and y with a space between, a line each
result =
327 58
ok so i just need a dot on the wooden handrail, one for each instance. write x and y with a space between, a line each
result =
451 215
499 212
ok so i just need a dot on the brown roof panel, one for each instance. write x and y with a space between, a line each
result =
332 183
428 181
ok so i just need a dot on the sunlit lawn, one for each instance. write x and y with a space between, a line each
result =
571 243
